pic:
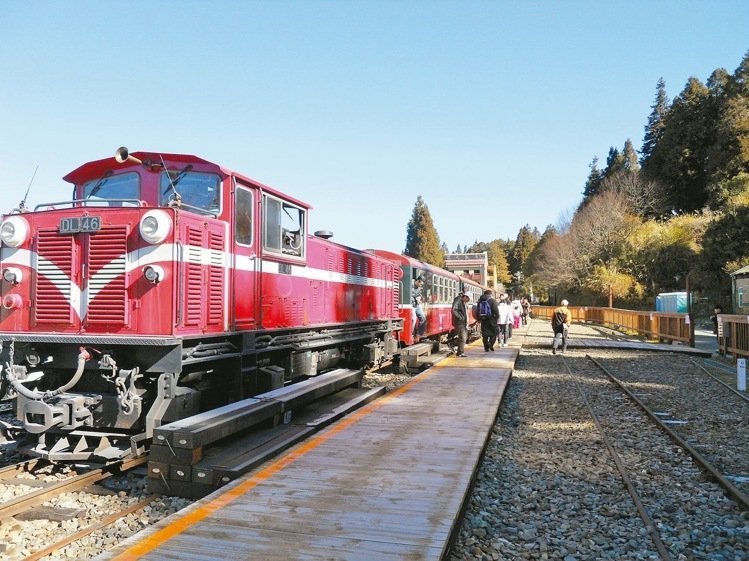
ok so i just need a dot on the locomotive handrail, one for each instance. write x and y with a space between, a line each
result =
662 326
88 202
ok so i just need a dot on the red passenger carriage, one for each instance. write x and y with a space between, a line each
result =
439 290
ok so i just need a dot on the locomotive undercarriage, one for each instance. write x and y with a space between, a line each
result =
96 399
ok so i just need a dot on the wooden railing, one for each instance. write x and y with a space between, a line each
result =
651 325
733 334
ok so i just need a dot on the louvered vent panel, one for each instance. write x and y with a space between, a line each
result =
216 278
193 278
107 283
394 275
54 271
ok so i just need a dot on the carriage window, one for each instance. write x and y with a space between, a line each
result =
199 192
113 190
243 216
284 227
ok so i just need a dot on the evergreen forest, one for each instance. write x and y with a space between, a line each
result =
671 216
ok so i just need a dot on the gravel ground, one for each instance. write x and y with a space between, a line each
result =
547 488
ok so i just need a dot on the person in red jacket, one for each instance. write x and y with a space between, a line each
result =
561 319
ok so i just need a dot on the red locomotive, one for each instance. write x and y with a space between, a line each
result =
168 285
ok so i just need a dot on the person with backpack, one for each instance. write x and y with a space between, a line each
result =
561 319
488 315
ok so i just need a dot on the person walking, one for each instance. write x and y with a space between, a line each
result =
504 321
525 303
486 308
561 319
460 320
517 312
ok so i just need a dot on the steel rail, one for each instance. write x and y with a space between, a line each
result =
649 523
730 488
714 377
25 466
25 502
88 530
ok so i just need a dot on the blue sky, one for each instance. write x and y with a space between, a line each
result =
492 111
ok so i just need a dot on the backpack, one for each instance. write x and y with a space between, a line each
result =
484 309
558 320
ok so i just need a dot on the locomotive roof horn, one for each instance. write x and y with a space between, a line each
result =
122 155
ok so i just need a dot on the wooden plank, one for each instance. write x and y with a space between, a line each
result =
387 485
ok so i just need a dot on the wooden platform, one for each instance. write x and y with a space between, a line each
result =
385 483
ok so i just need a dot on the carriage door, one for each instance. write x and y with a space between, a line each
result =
245 257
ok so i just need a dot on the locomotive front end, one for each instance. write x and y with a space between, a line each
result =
87 323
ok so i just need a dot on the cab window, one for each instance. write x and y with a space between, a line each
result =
196 191
122 189
284 230
243 216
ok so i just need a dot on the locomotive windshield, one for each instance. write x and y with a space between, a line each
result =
197 191
123 188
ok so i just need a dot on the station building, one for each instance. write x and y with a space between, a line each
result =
474 266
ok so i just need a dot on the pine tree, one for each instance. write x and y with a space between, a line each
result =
654 128
524 244
422 240
679 160
729 156
593 184
629 158
614 162
444 249
458 249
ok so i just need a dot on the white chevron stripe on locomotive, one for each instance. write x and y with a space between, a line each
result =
78 298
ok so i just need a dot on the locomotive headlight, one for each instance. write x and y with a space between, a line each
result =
12 302
153 273
155 226
12 275
14 231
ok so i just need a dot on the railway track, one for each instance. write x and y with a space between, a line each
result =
50 491
63 511
654 448
699 411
